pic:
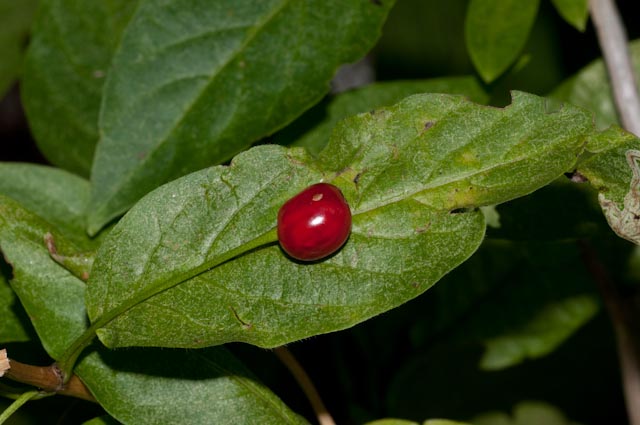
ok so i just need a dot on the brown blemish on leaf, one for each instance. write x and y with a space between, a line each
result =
576 177
245 325
51 245
395 152
423 229
376 2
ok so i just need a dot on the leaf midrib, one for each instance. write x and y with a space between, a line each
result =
186 111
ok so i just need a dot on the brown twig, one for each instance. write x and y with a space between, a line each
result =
621 314
290 362
47 378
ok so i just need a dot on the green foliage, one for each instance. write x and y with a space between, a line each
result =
375 96
496 32
574 12
183 96
590 89
73 41
158 269
149 108
121 381
198 387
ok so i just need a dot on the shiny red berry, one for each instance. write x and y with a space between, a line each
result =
315 223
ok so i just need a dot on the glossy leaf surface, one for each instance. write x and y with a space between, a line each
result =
69 55
188 266
195 82
495 33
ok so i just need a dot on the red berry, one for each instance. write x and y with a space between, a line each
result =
315 223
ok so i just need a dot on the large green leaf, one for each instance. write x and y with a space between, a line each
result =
69 55
145 387
193 263
55 195
496 31
52 297
135 387
15 22
375 96
590 89
194 82
574 12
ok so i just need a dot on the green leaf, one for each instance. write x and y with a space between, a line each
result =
195 82
38 281
590 89
543 292
135 387
170 386
375 96
194 264
69 55
12 328
52 194
541 334
495 33
56 195
15 22
526 413
575 12
608 170
613 170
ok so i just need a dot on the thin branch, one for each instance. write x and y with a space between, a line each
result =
49 379
613 43
323 415
621 313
